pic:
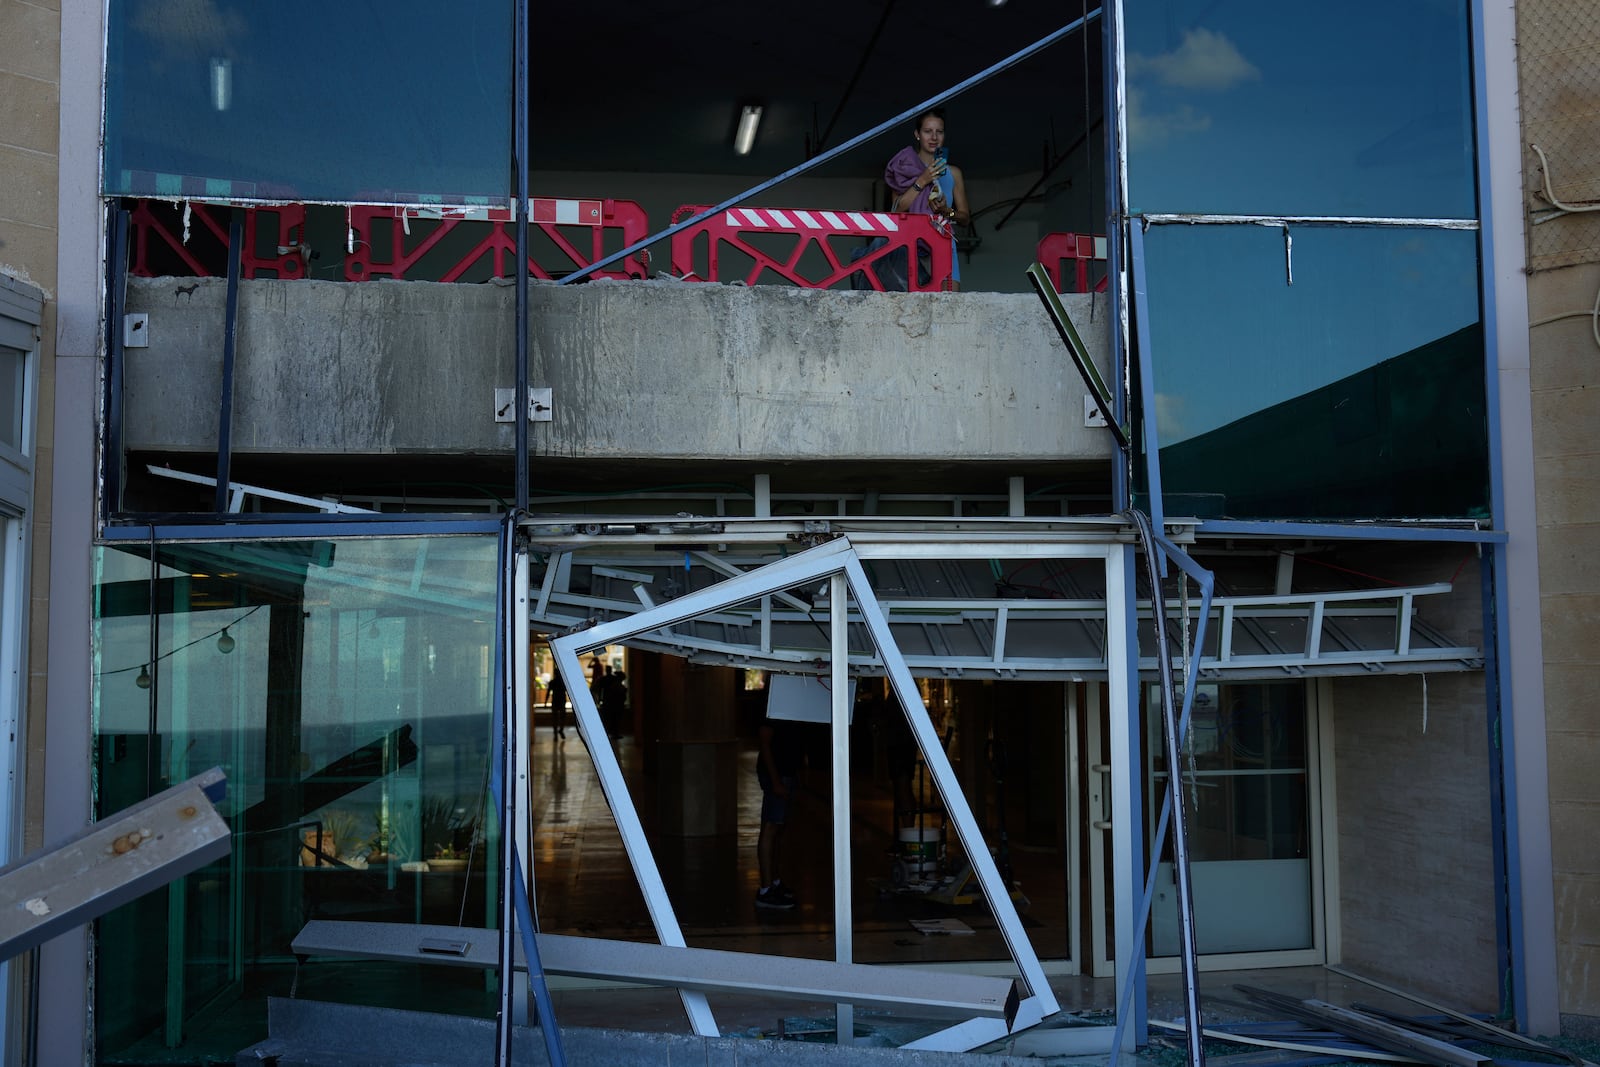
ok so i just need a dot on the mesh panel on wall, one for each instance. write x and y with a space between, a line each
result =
1558 44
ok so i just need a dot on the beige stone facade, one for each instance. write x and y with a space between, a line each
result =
30 109
1559 68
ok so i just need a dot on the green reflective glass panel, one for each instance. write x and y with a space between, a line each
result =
393 102
1256 107
344 686
1356 392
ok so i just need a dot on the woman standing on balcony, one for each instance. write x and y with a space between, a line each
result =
922 180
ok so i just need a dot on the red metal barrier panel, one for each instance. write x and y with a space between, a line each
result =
1066 258
190 240
446 244
813 249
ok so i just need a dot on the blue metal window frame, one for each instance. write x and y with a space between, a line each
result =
1350 531
1136 1031
1147 382
311 527
1510 939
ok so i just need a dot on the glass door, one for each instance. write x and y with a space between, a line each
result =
1249 789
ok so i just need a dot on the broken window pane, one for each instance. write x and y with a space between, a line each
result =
1257 107
1355 392
229 100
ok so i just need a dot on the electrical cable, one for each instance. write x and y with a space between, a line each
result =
1549 194
174 651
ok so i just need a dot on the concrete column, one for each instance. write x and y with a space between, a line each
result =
63 1021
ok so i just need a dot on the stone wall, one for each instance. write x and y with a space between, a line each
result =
1559 56
1416 870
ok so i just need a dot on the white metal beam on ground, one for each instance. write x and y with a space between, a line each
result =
933 994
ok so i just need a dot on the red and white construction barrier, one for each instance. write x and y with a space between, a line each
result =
156 223
797 246
1066 258
568 235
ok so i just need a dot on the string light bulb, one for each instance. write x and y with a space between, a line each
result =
143 681
225 642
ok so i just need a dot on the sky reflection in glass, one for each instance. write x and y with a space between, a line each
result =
1355 392
357 101
1262 107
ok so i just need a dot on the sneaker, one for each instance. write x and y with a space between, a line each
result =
782 892
773 898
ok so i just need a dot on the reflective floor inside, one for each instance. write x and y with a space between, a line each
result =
586 886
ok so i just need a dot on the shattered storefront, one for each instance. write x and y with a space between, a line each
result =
1229 663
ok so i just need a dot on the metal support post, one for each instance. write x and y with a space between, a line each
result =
518 835
112 458
1127 807
510 674
936 994
1113 54
230 344
1180 839
839 687
520 137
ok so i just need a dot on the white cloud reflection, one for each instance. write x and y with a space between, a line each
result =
1206 61
1146 128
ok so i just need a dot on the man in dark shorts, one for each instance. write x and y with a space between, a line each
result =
777 769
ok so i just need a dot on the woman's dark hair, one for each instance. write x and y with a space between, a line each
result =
916 123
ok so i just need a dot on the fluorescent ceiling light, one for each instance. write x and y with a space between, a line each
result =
221 84
745 138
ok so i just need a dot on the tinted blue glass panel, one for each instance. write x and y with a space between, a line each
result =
1263 107
392 102
1355 392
